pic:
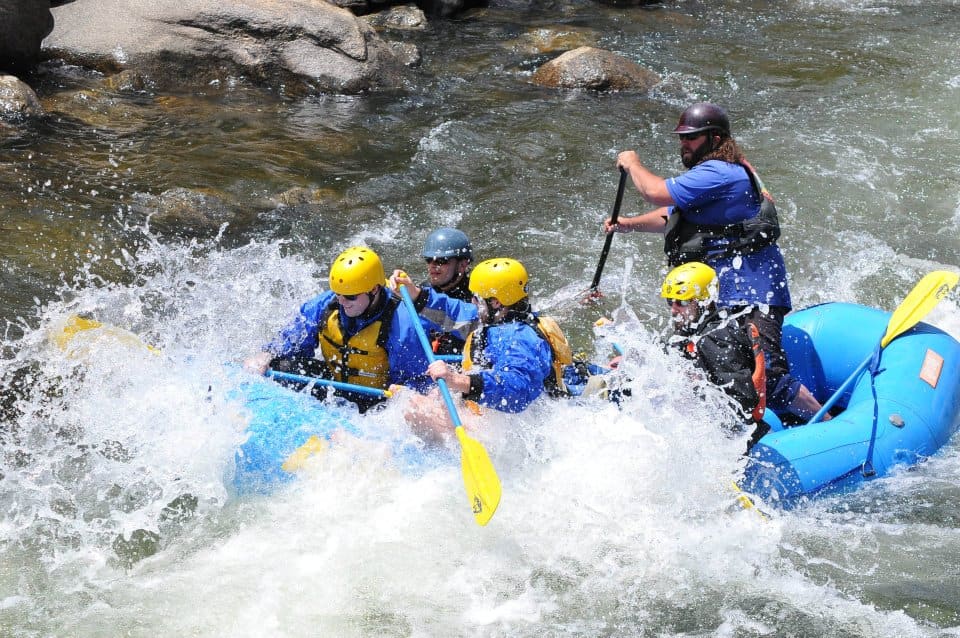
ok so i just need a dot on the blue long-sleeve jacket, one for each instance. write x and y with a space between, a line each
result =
516 361
408 362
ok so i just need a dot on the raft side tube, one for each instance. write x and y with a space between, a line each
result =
917 404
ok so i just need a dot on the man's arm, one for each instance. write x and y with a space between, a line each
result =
652 188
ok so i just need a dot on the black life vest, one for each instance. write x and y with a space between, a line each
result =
759 376
685 241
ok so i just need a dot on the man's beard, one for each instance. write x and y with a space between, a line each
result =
697 156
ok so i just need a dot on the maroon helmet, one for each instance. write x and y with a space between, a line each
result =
703 116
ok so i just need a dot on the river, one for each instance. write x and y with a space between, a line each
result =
614 522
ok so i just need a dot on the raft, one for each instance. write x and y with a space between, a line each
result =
908 410
287 427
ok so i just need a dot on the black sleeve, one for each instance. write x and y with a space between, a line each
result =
727 358
476 388
421 301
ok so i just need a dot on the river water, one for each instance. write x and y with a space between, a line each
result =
115 516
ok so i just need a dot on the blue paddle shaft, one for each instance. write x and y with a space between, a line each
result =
428 351
339 385
841 390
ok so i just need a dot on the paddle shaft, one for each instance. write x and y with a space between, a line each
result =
613 220
428 351
339 385
841 390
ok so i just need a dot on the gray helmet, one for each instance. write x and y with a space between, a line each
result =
448 242
703 116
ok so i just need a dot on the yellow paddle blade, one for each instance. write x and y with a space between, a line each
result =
479 477
745 501
76 325
297 459
919 302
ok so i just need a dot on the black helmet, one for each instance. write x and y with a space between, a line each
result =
703 116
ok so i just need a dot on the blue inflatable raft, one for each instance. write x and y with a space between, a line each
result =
287 427
904 413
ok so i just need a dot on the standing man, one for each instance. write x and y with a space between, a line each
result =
719 213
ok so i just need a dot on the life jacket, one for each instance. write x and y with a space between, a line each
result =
547 329
685 241
361 359
759 375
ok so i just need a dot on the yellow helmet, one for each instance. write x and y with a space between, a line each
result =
692 280
357 270
502 278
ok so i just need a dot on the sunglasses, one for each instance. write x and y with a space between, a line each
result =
691 136
440 261
678 302
349 297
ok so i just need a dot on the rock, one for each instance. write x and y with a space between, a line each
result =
408 17
436 8
594 69
23 26
295 46
186 213
548 40
17 100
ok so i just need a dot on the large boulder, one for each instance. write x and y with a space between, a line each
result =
294 45
23 26
594 69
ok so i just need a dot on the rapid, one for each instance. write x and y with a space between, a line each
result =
115 513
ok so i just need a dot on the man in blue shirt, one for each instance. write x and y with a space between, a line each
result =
719 213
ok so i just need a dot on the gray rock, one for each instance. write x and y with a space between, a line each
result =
23 26
408 17
17 100
185 212
297 45
594 69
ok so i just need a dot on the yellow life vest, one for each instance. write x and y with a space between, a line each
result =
362 359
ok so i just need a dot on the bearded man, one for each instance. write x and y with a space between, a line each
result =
719 213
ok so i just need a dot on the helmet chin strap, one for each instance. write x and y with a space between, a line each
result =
453 281
489 315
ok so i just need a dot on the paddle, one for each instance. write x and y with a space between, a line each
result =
918 303
339 385
594 292
479 477
75 325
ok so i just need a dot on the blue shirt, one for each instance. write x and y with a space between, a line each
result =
717 192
